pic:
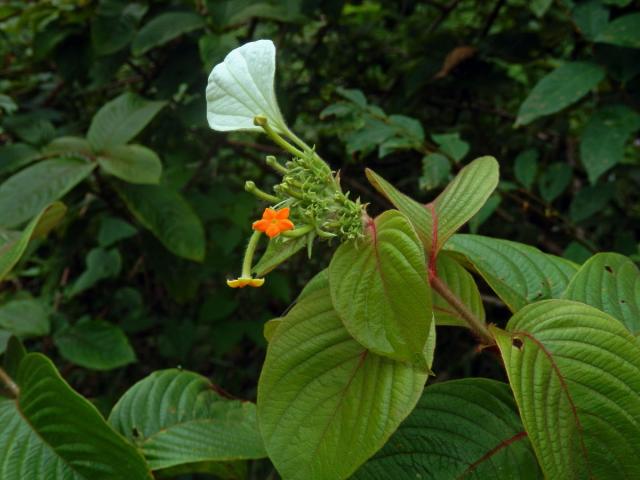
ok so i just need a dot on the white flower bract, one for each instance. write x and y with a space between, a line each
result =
242 87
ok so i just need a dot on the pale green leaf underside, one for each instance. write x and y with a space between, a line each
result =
27 192
242 87
518 273
559 89
325 404
455 206
52 433
611 283
462 284
177 418
575 372
380 290
464 197
461 429
168 216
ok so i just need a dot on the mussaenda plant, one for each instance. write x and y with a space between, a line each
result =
348 363
342 389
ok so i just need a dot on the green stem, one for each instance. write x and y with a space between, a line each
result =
11 385
298 232
248 254
277 139
476 325
273 163
250 187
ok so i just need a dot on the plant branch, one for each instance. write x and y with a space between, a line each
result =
8 381
477 325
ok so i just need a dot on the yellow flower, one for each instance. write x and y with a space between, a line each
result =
245 281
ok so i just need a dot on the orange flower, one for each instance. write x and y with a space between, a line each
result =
243 282
274 222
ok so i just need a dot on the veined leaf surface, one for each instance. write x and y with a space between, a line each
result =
575 373
380 289
325 403
463 429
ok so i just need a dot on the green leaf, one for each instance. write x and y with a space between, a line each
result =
611 283
460 201
101 264
591 17
416 212
467 428
526 167
132 163
177 419
464 197
51 429
623 31
24 318
163 28
112 230
540 7
278 251
589 201
315 384
12 250
69 146
95 344
435 170
519 274
110 33
604 138
120 120
166 214
380 290
13 356
462 284
575 373
485 213
15 156
451 145
564 86
554 181
27 192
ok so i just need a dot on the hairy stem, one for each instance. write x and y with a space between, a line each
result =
477 325
8 381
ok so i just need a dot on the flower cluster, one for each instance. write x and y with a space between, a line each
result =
240 96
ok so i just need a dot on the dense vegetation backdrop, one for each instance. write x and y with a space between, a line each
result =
133 280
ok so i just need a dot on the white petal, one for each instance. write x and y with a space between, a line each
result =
241 87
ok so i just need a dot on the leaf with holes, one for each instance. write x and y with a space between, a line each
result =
168 216
463 429
462 284
178 420
519 274
564 86
575 373
315 385
455 206
120 120
27 192
611 283
380 290
50 428
12 250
